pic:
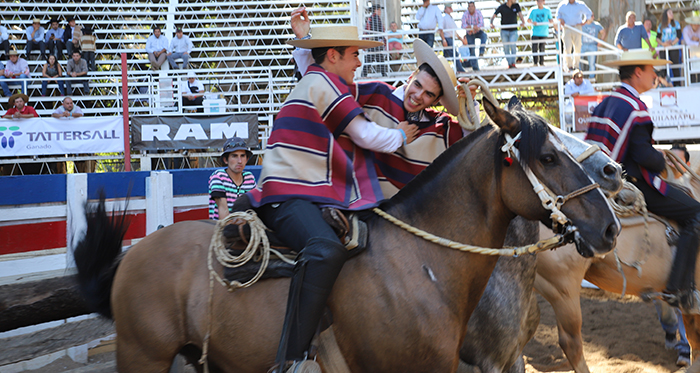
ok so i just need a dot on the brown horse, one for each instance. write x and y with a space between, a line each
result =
559 275
403 305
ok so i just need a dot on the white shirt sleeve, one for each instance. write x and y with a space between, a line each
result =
371 136
303 58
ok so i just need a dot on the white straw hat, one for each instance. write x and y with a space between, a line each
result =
334 36
636 57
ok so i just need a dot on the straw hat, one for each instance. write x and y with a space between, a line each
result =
12 98
636 57
334 36
36 20
13 53
693 20
425 54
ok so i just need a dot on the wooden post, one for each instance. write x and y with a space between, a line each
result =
125 114
76 225
159 200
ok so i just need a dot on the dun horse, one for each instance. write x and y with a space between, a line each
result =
507 315
559 275
403 305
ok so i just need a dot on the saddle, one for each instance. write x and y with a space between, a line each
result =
350 228
628 200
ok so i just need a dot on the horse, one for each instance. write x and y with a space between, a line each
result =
507 315
560 272
402 305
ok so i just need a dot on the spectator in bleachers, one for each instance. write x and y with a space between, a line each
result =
509 11
473 22
157 48
54 39
67 110
16 67
88 45
71 36
52 72
4 41
595 30
180 47
192 92
429 17
668 34
691 32
35 38
395 40
77 67
227 184
578 85
691 38
572 13
541 17
651 34
375 60
20 109
630 35
449 30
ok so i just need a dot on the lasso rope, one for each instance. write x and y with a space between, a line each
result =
638 207
542 245
468 116
258 248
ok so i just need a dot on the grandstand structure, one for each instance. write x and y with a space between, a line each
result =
241 56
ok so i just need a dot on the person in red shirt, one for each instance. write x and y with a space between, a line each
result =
20 109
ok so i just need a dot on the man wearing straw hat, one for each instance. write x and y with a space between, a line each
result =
622 127
433 82
20 109
35 38
691 37
318 156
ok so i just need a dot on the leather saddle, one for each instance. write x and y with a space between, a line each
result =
349 227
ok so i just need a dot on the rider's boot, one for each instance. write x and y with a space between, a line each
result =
681 283
322 260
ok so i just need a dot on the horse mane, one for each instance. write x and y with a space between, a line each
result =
533 133
437 166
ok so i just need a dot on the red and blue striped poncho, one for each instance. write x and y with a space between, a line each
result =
383 104
611 124
308 158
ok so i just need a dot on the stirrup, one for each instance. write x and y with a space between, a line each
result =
304 366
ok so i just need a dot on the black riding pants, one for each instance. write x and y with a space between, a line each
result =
678 206
300 224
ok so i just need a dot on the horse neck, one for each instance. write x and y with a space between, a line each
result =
459 201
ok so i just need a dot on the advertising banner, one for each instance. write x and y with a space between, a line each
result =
50 136
183 132
583 107
673 107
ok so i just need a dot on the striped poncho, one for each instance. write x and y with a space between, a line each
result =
610 127
308 158
383 104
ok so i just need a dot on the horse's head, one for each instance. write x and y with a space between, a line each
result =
530 154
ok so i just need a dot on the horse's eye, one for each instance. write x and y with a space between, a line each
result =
547 159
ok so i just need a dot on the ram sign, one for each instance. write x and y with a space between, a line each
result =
171 133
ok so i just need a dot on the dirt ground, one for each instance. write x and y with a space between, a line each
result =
620 336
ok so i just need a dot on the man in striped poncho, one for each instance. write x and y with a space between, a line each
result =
319 155
622 127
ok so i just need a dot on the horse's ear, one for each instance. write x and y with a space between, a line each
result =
514 103
503 119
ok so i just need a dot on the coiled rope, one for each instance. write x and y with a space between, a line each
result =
258 249
468 116
548 244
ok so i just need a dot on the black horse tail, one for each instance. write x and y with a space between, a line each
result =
98 254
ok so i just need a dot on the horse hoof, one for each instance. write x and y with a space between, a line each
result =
305 366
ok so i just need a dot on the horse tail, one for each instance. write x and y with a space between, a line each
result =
98 254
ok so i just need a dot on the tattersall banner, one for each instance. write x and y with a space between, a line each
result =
183 132
50 136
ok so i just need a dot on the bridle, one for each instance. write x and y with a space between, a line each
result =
550 201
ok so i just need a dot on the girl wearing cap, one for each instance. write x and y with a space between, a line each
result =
227 184
20 110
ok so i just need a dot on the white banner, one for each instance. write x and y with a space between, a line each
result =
50 136
673 107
